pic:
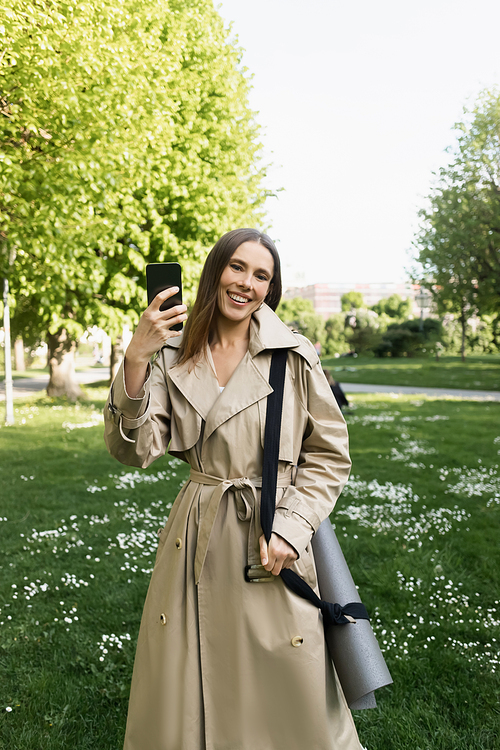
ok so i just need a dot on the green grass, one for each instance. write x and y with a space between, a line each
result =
477 373
425 558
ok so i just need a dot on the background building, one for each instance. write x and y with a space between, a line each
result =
326 297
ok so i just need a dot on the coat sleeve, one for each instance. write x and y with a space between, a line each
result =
323 466
137 430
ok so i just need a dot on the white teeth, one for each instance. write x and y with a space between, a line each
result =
237 298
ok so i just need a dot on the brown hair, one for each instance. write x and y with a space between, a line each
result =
197 328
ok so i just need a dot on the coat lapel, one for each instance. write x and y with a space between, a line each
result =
246 386
198 385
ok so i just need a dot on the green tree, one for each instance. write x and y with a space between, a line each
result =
335 339
290 310
458 246
127 138
393 306
298 313
363 330
352 301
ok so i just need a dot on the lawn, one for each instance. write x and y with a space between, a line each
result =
477 373
419 524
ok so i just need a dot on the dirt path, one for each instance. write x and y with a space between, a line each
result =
25 387
436 392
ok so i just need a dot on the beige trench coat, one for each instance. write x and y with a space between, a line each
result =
223 664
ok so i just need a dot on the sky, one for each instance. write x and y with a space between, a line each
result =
357 102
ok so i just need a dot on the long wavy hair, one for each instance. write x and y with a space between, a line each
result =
198 326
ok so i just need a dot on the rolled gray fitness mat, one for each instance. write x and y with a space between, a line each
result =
354 650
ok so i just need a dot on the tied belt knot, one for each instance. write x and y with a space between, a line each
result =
335 614
247 502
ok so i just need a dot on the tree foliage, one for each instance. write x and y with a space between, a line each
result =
393 306
458 246
127 138
335 339
298 313
352 301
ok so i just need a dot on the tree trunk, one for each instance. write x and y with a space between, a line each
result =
463 323
61 358
19 355
115 358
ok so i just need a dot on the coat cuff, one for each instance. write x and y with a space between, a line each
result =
131 408
126 412
294 528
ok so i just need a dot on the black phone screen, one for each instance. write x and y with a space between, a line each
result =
160 276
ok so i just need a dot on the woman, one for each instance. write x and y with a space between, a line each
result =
222 663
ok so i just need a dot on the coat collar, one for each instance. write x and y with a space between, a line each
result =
267 331
247 385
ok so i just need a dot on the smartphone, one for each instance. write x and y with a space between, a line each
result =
160 276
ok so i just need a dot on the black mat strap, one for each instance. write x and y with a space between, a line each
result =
333 614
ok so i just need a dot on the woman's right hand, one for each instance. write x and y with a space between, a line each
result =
153 330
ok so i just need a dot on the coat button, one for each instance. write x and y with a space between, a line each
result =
178 543
297 641
163 618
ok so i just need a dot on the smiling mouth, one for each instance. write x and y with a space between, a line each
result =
237 298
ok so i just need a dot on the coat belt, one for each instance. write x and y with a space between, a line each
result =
247 502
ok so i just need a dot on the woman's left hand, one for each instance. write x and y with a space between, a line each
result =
276 555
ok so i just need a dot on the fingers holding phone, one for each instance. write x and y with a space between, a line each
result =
162 320
163 276
170 311
164 286
164 315
156 326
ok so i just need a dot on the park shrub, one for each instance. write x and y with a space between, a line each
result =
399 342
364 340
407 340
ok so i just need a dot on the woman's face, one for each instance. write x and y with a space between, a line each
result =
245 281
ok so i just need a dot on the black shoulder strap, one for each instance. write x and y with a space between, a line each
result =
272 441
333 614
